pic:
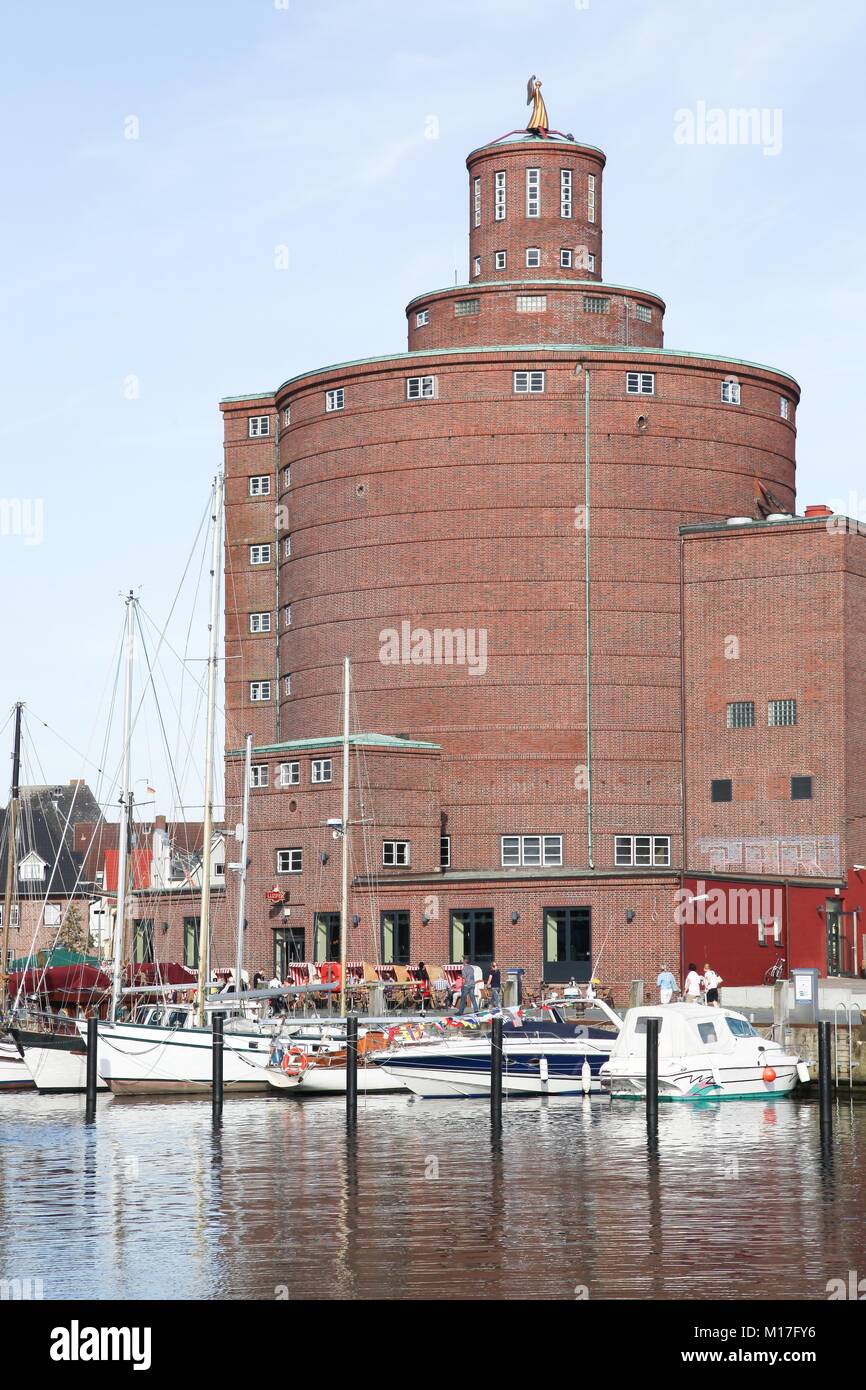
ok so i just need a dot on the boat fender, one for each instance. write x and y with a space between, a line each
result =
769 1074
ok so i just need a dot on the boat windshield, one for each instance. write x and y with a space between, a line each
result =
741 1028
707 1033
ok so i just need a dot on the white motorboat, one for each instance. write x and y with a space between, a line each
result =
167 1054
704 1054
307 1065
14 1075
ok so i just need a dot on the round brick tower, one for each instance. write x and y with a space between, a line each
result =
443 490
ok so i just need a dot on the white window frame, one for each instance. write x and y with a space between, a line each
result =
640 383
533 193
260 692
731 394
260 485
396 854
335 399
500 260
642 851
445 851
476 267
290 861
590 261
422 317
566 258
529 383
287 476
290 774
52 915
287 615
14 919
421 388
566 190
287 683
533 251
530 851
259 426
321 770
476 201
260 554
259 775
260 622
499 195
784 407
287 547
32 868
531 304
590 197
287 415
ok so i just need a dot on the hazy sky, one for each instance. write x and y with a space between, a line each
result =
140 281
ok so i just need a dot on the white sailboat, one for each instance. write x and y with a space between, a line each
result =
14 1075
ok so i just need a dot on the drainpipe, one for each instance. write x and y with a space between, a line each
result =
683 822
588 620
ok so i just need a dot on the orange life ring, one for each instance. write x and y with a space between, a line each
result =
329 972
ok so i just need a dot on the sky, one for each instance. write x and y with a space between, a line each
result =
205 199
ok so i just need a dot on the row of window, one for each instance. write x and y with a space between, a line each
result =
722 789
570 258
780 714
516 851
289 774
533 195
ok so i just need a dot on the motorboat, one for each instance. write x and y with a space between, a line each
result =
704 1053
14 1075
54 1052
164 1052
548 1055
309 1066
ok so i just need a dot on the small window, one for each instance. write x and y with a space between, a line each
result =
643 312
422 317
420 388
287 415
531 303
730 393
259 426
51 915
287 684
395 854
476 266
566 258
533 258
590 260
565 190
260 622
499 196
476 201
287 547
290 774
594 304
445 851
260 691
531 851
500 260
260 486
290 861
642 851
287 477
528 383
707 1034
590 197
781 713
640 383
721 789
533 193
336 399
741 714
322 770
801 788
740 1027
260 554
464 307
287 615
258 775
784 407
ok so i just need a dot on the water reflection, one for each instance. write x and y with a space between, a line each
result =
571 1198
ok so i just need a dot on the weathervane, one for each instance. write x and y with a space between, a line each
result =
538 122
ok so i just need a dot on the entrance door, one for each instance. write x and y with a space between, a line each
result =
835 945
567 943
472 935
326 936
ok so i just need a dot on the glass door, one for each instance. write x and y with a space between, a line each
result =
567 944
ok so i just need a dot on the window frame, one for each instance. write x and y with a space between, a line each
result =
264 558
292 851
260 776
629 854
335 399
258 426
422 318
530 389
263 616
421 394
394 847
317 771
566 193
290 773
590 198
533 251
787 705
740 714
476 201
444 851
731 393
500 206
261 491
548 858
260 699
533 192
500 260
566 258
640 378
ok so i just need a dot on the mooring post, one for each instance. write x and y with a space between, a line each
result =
653 1028
351 1069
496 1072
91 1073
217 1054
825 1095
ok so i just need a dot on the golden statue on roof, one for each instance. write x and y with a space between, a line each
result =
538 122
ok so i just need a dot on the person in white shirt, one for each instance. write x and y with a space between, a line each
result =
711 983
479 984
692 986
666 983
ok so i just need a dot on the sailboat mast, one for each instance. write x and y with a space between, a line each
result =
11 825
344 890
123 827
207 831
242 878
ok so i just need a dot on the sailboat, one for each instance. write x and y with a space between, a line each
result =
14 1075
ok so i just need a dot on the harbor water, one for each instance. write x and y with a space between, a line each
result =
736 1200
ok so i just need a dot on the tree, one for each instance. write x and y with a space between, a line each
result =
74 934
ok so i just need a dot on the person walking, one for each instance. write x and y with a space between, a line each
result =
692 985
494 984
666 985
467 986
712 982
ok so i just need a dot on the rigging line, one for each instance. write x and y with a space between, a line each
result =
200 685
83 756
192 611
158 709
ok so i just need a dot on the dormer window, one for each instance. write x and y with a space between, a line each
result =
32 868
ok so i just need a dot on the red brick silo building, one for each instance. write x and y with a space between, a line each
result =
488 526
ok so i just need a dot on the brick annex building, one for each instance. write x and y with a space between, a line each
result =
564 713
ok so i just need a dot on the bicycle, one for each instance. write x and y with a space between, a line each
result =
775 971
